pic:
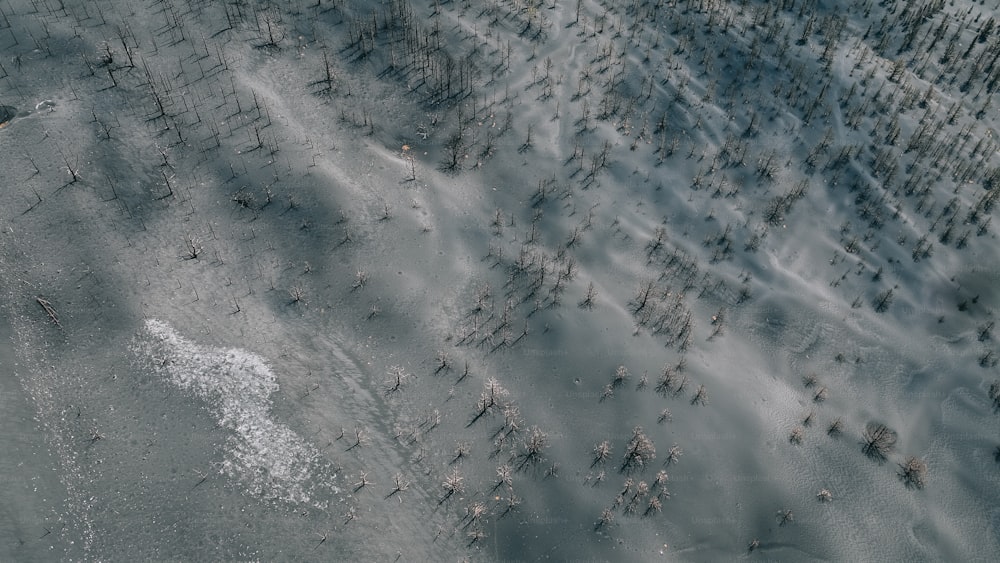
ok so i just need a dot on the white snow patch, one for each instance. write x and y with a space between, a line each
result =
267 456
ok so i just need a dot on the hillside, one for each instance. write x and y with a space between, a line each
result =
508 280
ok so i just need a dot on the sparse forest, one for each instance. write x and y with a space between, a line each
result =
498 279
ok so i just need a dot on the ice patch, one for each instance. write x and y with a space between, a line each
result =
268 457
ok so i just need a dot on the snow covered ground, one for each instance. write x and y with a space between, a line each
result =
501 280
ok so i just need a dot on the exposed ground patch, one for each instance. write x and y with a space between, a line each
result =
7 114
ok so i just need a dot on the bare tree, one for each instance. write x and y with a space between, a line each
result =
328 77
453 483
700 396
73 170
639 451
462 450
641 491
879 440
607 516
821 395
505 476
322 539
400 484
883 300
785 517
362 481
643 382
913 472
489 399
359 438
454 152
269 27
666 381
411 164
985 332
513 501
602 452
608 392
621 374
588 299
443 362
511 418
797 435
192 246
674 454
660 483
475 512
835 428
665 416
476 535
533 445
397 377
654 505
360 279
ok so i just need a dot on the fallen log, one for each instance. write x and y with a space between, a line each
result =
49 310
